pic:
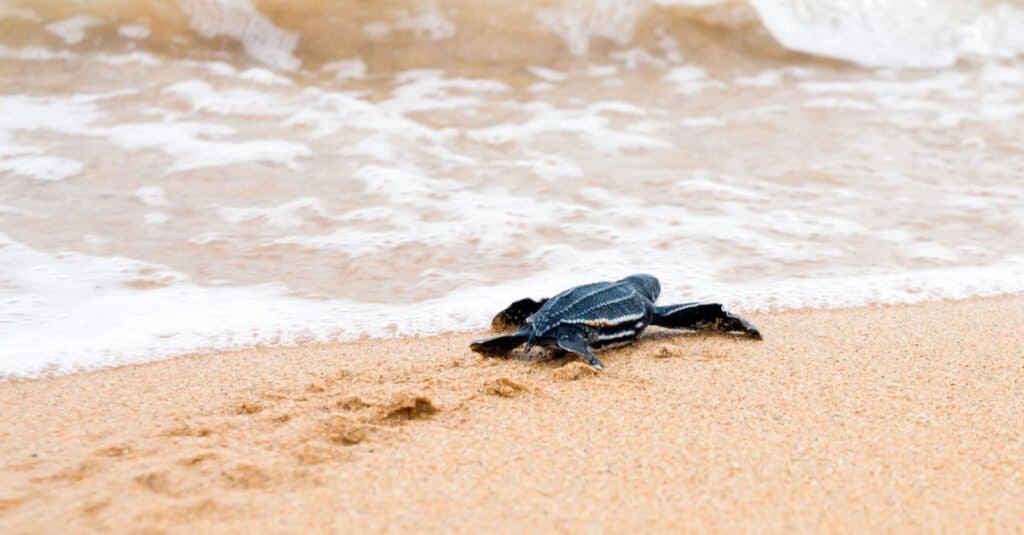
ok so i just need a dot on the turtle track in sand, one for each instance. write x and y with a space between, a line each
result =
289 425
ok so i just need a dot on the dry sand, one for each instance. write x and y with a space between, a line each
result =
896 418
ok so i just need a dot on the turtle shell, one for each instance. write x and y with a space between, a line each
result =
602 308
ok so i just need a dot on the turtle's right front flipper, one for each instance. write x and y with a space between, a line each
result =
514 316
703 317
499 346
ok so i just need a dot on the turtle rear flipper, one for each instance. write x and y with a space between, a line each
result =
499 346
514 316
703 317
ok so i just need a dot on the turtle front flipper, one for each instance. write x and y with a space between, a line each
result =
573 341
514 316
499 346
703 317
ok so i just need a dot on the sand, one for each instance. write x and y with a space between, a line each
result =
904 418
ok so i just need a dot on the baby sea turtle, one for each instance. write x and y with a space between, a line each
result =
601 315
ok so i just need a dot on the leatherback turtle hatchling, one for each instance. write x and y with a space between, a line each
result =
600 315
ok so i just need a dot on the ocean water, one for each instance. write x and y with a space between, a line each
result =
188 175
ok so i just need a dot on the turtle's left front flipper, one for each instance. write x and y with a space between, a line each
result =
703 317
499 346
514 316
572 340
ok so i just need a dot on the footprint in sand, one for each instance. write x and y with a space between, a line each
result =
114 451
73 474
157 482
353 403
185 430
198 458
247 476
573 371
202 508
345 431
313 453
248 407
7 504
506 388
364 418
405 406
95 506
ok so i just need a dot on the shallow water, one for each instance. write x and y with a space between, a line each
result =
212 174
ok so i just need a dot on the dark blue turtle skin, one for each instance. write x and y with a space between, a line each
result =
602 314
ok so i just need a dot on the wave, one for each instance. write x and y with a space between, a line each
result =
172 319
394 35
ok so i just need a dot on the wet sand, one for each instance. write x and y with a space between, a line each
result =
904 418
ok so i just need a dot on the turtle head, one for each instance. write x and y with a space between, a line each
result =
647 285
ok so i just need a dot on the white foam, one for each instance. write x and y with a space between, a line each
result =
238 19
409 192
691 80
633 58
546 74
428 22
191 146
218 68
178 315
133 31
546 166
152 196
601 71
347 69
66 115
46 168
156 218
203 97
579 21
423 90
590 126
264 77
944 82
35 53
766 78
141 58
702 122
72 30
287 215
95 240
839 103
616 106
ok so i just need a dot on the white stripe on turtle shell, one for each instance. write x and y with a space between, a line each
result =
608 322
614 335
613 322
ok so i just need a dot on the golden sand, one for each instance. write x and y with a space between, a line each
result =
891 418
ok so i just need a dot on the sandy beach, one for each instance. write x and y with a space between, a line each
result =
896 418
347 189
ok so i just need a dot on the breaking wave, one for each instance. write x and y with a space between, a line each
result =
397 34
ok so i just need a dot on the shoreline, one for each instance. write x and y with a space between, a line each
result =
897 417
